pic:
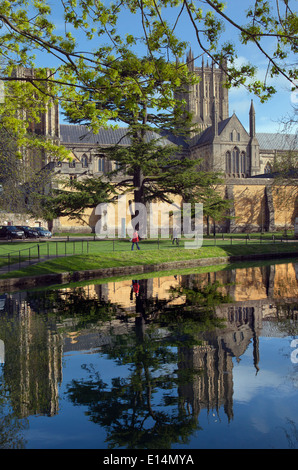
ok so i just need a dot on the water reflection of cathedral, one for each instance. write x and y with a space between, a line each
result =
212 386
31 357
256 292
34 348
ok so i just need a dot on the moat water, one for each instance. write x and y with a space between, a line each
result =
196 361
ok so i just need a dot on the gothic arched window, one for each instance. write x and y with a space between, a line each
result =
268 168
242 162
84 161
228 162
101 165
235 160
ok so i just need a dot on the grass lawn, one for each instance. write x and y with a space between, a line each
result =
104 254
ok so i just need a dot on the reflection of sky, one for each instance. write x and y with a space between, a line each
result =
265 407
71 428
275 369
265 410
271 395
105 367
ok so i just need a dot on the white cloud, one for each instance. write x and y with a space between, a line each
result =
247 384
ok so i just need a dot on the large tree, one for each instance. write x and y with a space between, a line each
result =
31 26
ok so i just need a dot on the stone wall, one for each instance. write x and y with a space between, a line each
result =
257 205
260 205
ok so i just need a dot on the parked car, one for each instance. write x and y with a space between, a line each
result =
10 231
42 232
3 298
28 231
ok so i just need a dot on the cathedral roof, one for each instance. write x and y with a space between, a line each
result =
74 134
267 141
207 135
277 141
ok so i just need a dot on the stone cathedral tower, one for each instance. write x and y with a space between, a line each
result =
206 97
49 125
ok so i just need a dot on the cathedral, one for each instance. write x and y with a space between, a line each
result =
244 157
221 140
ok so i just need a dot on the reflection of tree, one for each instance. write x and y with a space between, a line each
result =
195 312
203 299
33 347
291 433
286 317
127 407
144 410
75 304
10 425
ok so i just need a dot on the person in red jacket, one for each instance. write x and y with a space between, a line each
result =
135 240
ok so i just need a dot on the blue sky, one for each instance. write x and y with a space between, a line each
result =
268 115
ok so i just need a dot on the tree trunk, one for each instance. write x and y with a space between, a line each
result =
139 213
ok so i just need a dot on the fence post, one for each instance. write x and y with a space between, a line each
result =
8 260
19 259
38 252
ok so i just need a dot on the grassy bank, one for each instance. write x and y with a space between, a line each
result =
171 272
108 259
18 251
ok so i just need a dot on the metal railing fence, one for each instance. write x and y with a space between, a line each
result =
74 246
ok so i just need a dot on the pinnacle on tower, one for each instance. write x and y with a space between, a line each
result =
190 60
252 120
